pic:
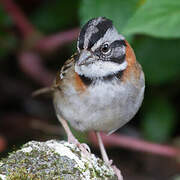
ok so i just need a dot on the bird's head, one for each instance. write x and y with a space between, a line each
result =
102 50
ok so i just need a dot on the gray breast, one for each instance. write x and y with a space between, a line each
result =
104 107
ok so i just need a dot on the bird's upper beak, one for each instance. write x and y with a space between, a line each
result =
85 58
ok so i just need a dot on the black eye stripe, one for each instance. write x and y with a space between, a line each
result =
118 43
119 59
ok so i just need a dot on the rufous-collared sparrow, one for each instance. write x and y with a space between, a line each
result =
101 87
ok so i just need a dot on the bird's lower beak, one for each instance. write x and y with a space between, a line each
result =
85 58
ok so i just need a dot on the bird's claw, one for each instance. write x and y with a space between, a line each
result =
117 172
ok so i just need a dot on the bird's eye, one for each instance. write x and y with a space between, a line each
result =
105 48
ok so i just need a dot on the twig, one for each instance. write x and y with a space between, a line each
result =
46 90
31 64
52 42
45 127
3 143
137 144
18 17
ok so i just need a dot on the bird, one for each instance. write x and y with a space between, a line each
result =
101 87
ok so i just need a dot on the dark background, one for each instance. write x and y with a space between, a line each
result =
37 36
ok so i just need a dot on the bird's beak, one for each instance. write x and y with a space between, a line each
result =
85 58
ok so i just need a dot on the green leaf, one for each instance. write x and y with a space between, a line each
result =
159 120
54 15
159 58
120 11
8 42
177 177
159 18
5 20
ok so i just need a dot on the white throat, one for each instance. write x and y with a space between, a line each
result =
100 69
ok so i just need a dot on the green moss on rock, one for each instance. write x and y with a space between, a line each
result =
55 160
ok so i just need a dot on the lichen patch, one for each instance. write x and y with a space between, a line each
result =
55 160
2 177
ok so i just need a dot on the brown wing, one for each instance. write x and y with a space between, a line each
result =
59 76
68 75
67 65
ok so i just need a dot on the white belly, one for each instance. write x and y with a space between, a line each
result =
105 107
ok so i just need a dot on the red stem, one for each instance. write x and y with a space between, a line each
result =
136 144
31 64
18 17
3 143
51 42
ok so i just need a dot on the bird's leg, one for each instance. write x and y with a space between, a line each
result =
105 157
70 136
102 149
71 139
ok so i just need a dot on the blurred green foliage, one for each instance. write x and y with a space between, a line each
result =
157 18
159 119
7 39
55 15
159 58
5 20
120 11
153 29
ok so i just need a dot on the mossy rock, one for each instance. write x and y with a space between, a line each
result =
55 160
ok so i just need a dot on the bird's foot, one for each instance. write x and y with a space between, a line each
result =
116 170
71 139
83 147
109 162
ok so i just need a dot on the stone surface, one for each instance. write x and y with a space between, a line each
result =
55 160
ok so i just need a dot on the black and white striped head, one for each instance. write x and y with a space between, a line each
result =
101 49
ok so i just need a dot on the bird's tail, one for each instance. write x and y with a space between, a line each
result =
46 90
